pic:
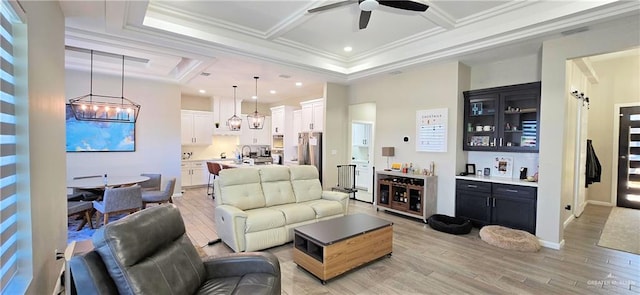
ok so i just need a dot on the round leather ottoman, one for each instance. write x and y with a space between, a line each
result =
450 225
508 238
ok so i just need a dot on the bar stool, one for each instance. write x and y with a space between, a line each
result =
214 169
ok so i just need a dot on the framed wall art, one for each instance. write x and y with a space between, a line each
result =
95 136
503 167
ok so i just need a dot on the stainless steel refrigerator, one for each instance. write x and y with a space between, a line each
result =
310 150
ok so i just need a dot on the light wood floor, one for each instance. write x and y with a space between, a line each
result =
426 261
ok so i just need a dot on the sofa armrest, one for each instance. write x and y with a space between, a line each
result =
239 264
341 197
230 225
89 274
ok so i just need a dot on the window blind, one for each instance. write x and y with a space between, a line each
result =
8 195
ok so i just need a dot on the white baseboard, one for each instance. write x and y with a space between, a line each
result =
600 203
551 245
566 222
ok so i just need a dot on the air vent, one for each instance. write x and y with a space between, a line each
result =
206 74
283 76
395 73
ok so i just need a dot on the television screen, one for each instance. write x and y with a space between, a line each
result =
94 136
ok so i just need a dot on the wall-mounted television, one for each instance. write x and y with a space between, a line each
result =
95 136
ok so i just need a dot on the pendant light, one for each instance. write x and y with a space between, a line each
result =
104 108
256 120
234 122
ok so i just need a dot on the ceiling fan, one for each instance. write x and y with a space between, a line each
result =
368 5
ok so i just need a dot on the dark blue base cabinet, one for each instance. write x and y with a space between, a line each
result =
484 203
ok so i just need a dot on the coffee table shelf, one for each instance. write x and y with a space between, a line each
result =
332 247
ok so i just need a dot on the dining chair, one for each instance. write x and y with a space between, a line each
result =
118 200
80 208
214 170
159 196
153 184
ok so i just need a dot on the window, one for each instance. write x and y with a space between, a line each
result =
9 203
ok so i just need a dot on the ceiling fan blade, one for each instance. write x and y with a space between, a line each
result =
364 19
333 5
406 5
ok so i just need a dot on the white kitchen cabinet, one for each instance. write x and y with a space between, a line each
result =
194 173
197 127
283 124
277 120
360 134
223 109
255 136
363 176
297 122
312 115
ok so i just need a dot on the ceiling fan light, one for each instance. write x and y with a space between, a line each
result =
368 5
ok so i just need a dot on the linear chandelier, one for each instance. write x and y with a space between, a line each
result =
256 120
234 122
105 108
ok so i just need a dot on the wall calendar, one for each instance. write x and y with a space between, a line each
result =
431 130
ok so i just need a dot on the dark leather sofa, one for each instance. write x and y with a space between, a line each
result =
149 253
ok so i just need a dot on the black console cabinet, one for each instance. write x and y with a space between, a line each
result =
486 203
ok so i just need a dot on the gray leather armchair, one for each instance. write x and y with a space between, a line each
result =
149 252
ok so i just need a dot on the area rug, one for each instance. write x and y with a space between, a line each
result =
85 232
622 230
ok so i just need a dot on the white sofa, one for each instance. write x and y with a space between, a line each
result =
258 207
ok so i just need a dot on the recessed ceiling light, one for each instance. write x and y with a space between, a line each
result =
348 49
272 91
254 97
298 84
201 91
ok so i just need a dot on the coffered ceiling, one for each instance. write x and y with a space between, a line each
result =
281 42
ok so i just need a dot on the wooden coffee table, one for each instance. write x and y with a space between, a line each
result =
332 247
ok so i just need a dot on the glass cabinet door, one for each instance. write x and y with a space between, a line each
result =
481 114
519 120
502 118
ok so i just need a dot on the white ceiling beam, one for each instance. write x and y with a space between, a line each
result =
439 17
291 22
584 64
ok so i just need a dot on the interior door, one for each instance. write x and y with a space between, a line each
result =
580 168
629 158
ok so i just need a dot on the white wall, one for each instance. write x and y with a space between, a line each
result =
40 162
618 84
506 72
336 124
157 128
196 103
619 35
397 98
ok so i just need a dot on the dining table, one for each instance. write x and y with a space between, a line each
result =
111 181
